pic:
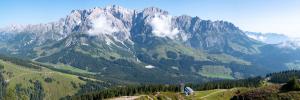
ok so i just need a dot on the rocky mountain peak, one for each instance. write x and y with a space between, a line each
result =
154 10
123 24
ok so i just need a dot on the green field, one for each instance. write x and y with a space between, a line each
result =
61 85
70 68
216 72
217 94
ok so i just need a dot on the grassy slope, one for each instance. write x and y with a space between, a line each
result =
216 94
268 92
161 50
61 86
69 68
216 72
197 54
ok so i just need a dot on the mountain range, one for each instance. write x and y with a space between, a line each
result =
280 40
147 46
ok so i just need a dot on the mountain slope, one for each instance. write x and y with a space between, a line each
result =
146 45
21 80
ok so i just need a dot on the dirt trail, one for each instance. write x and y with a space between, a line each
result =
125 98
212 93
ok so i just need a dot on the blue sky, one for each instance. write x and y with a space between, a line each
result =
280 16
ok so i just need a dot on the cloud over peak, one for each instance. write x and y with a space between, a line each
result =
162 26
102 25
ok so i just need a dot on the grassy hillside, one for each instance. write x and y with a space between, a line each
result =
21 80
216 94
216 72
270 92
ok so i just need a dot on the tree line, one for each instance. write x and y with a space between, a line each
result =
283 76
124 91
227 84
147 89
3 84
21 62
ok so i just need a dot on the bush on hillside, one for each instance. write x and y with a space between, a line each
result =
291 85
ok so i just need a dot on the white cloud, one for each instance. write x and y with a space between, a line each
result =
257 37
149 66
102 25
162 26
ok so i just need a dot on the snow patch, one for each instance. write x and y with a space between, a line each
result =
78 22
149 66
138 60
162 26
176 68
28 43
108 41
84 44
184 36
102 25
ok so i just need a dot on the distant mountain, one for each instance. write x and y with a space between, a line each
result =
146 45
269 38
292 44
280 40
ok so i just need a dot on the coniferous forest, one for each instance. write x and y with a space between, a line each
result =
2 83
218 84
148 89
283 76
